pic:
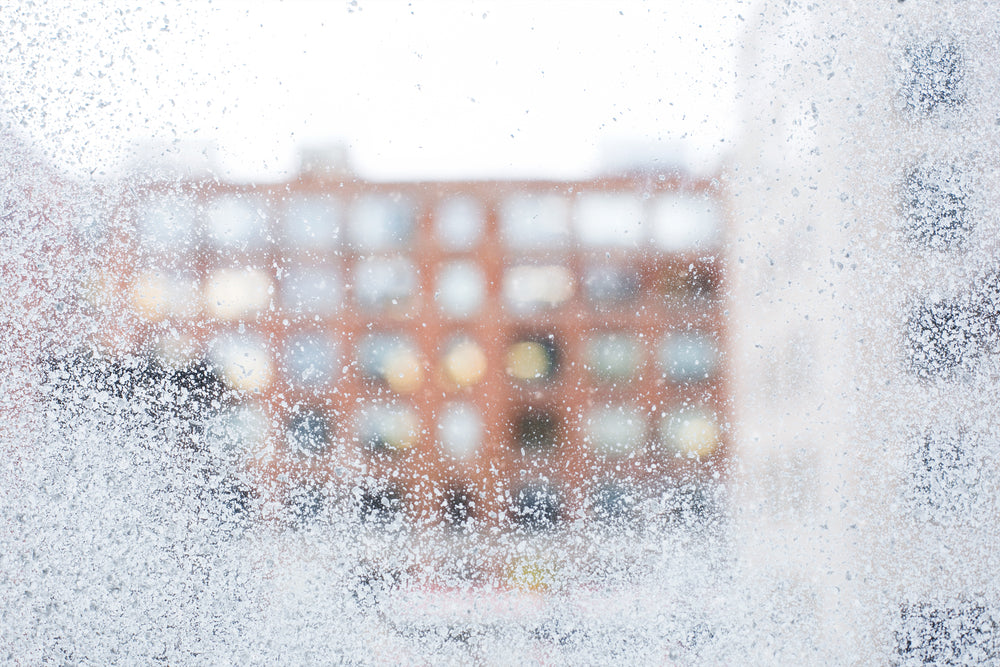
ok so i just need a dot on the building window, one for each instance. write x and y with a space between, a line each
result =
535 221
312 290
613 357
381 222
615 430
537 506
688 285
243 362
308 433
458 223
685 222
533 359
614 503
945 474
945 335
392 358
609 220
384 283
690 432
157 295
460 430
464 362
380 506
166 222
457 507
688 357
312 222
232 294
933 77
954 632
536 431
460 289
305 503
236 220
310 360
387 428
936 209
608 286
528 288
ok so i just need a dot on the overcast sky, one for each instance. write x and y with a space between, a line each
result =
414 89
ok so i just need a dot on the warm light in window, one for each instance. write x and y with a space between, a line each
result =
234 293
691 432
464 362
389 427
531 360
393 359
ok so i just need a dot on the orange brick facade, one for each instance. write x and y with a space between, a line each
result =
517 353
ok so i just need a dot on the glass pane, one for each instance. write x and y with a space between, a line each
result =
461 289
463 362
615 430
535 221
688 357
394 359
384 283
389 428
312 222
690 432
684 222
609 220
528 287
613 357
312 290
380 222
166 222
460 430
244 362
236 221
311 359
232 294
458 223
533 359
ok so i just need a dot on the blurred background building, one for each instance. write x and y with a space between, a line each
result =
519 354
864 287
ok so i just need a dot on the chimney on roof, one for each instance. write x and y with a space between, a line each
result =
327 159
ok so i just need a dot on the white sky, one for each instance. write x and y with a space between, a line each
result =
415 89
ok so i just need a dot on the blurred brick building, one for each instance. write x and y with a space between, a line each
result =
514 353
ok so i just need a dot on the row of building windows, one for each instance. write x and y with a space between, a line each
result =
537 505
388 427
388 284
394 359
379 222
